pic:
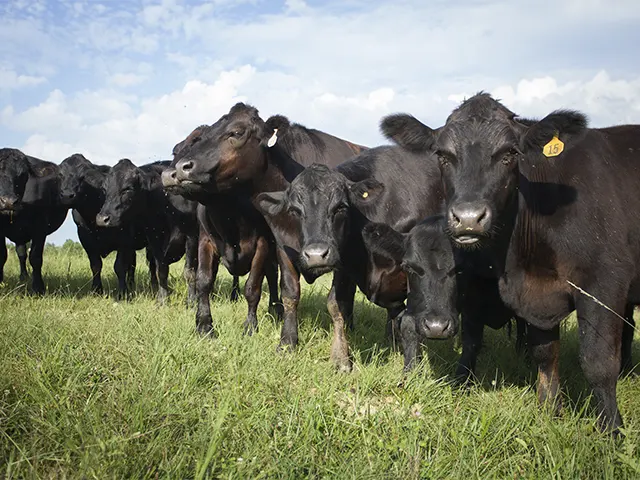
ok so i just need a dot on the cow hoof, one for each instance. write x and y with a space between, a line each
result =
276 310
285 347
206 330
343 365
38 289
250 328
191 301
24 278
235 296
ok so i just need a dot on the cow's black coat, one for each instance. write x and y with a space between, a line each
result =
135 198
442 283
225 166
82 189
29 208
319 220
549 224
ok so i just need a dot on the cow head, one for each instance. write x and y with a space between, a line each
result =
73 172
319 202
14 174
123 195
481 149
426 257
229 152
169 177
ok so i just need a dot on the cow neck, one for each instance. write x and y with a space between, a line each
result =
90 204
280 170
540 194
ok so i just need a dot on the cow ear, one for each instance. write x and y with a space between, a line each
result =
555 133
365 192
279 122
408 132
383 241
270 204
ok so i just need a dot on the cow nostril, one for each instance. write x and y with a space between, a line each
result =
186 166
483 215
454 217
173 175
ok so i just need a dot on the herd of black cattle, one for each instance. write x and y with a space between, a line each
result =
489 218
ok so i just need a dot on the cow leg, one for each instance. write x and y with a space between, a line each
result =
339 297
153 270
275 303
253 285
392 324
544 347
163 281
409 338
190 268
290 289
3 257
235 289
472 332
35 259
346 300
600 355
95 262
208 262
121 268
521 336
21 251
628 330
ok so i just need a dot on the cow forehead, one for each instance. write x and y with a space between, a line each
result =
317 186
476 134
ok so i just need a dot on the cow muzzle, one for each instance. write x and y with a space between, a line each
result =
103 220
318 258
438 327
170 178
469 221
9 204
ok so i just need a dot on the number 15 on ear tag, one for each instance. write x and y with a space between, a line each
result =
553 148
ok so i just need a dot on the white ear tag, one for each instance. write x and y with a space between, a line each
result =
274 138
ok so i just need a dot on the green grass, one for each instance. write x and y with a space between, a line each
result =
90 388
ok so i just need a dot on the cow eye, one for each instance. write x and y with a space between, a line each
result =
510 156
236 133
340 210
294 211
443 159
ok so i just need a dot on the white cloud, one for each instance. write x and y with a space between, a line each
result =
126 79
605 100
130 79
10 80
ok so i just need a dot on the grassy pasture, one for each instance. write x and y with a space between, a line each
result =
91 388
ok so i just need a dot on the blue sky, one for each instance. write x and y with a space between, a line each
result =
131 78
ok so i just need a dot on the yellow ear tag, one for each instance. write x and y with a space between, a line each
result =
554 147
365 194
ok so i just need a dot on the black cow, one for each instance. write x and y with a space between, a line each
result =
82 189
442 282
554 203
225 166
29 209
135 197
318 222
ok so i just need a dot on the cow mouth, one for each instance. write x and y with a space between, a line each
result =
311 274
9 211
467 239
